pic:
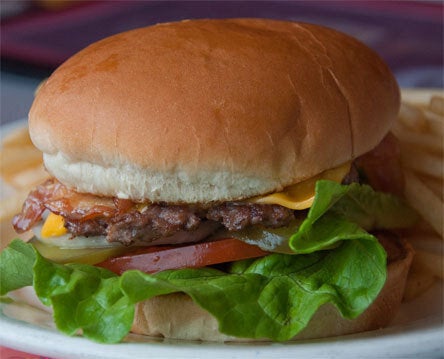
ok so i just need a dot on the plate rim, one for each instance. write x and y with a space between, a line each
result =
424 336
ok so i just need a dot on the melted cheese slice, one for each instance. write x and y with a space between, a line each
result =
301 195
54 226
52 233
298 196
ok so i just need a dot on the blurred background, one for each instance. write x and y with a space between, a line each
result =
37 36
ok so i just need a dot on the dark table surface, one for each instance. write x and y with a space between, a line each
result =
407 34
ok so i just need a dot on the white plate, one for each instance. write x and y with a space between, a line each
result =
417 332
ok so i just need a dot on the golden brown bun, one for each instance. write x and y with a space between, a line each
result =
208 110
176 315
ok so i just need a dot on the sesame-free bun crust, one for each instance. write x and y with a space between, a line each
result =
176 316
211 110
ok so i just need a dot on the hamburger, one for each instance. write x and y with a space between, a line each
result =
216 180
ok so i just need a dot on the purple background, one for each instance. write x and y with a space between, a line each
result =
34 41
408 35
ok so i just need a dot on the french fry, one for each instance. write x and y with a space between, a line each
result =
421 119
436 105
16 159
28 178
434 184
420 161
427 141
423 200
419 97
12 205
420 130
18 138
412 117
21 163
435 122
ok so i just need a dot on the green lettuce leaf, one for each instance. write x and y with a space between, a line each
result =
339 212
342 212
84 297
270 297
275 296
16 263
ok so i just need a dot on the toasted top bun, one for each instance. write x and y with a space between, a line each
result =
211 110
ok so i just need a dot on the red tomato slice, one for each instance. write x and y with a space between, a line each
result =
156 259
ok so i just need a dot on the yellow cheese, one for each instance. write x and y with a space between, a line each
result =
53 226
301 195
298 196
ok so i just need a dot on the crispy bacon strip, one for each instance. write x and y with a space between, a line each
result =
34 206
81 206
59 199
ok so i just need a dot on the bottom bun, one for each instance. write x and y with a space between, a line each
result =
176 316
